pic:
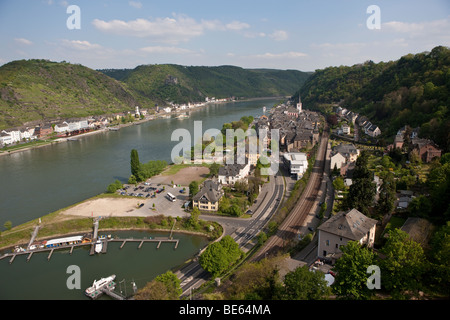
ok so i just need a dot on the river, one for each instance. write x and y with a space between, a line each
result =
36 182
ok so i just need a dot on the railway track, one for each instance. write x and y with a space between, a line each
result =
290 227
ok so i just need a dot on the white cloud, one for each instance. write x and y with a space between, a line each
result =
283 55
420 35
417 28
166 50
179 28
279 35
81 45
237 25
135 4
23 41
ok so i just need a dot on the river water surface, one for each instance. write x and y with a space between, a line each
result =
36 182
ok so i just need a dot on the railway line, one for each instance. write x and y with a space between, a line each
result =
192 276
290 227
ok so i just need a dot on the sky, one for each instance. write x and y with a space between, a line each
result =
281 34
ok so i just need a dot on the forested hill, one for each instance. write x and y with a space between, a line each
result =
36 90
413 90
181 84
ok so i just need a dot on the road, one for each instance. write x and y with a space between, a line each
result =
242 231
290 227
193 276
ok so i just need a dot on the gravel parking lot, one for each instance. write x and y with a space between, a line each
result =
155 200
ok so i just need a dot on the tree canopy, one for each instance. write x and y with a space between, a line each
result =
219 256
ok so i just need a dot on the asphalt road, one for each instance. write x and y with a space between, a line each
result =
241 230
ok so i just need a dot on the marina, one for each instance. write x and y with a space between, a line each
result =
98 245
108 154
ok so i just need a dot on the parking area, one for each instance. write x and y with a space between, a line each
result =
155 199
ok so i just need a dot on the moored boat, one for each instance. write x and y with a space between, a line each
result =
96 289
98 246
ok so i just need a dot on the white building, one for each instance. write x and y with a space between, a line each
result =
231 173
343 227
297 163
373 131
8 137
337 160
345 129
62 127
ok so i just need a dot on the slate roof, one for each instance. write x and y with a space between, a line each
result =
231 170
350 224
211 191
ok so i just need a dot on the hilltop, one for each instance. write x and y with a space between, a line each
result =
36 90
182 84
33 90
413 90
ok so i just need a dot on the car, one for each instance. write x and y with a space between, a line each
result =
310 229
249 212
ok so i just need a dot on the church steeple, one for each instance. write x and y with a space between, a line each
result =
299 104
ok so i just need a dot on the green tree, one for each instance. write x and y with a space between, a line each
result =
386 201
8 225
403 265
172 283
193 189
132 179
193 220
113 187
214 169
302 284
439 183
351 268
362 190
219 256
338 184
438 276
135 164
164 287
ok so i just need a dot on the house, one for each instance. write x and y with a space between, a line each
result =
43 131
302 139
5 138
426 149
337 160
404 198
373 131
230 173
62 127
348 150
345 128
297 163
343 227
207 199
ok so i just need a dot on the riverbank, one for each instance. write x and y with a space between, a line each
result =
123 125
59 223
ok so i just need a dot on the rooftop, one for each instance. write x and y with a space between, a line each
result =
350 224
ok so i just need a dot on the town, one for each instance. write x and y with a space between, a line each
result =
57 129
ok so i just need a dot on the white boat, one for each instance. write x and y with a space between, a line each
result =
97 286
98 246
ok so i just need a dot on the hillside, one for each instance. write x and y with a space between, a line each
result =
36 90
180 84
33 90
413 90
